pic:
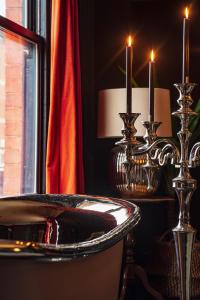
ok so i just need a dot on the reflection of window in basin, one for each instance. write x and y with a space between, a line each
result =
115 210
20 88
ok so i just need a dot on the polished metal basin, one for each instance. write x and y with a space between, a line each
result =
63 246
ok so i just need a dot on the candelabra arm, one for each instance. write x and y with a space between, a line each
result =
194 159
167 151
161 150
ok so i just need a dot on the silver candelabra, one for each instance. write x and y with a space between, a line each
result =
161 151
138 169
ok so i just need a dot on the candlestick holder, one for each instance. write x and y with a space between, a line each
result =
151 168
128 142
134 175
163 150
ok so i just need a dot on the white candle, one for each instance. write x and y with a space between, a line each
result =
185 69
129 59
151 85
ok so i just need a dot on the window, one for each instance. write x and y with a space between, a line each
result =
13 10
22 134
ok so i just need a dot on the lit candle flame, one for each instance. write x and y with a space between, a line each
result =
186 12
129 41
152 56
16 249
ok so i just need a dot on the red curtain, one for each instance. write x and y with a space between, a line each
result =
64 167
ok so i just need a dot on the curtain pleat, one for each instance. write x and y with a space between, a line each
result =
64 166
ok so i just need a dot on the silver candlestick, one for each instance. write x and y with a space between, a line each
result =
134 175
184 186
127 175
163 150
129 142
151 168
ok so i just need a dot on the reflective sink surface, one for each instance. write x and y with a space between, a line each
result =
62 226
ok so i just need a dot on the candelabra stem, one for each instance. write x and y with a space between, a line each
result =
184 241
184 186
184 235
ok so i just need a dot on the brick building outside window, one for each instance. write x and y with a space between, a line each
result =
20 56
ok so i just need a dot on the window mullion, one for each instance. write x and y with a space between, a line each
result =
31 6
12 27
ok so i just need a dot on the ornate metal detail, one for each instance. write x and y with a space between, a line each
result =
164 151
194 159
128 141
151 129
129 129
150 167
184 186
155 151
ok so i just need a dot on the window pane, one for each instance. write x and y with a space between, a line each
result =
17 115
15 10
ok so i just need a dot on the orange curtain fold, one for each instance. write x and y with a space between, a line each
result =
64 166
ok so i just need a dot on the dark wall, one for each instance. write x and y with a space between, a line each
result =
106 25
155 24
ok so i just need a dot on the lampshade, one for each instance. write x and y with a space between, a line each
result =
111 102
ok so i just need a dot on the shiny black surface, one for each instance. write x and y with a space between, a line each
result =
66 225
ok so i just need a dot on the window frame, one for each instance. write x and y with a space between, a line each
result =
38 20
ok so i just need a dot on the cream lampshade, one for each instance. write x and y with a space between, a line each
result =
113 101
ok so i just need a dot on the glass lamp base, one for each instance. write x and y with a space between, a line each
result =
139 185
